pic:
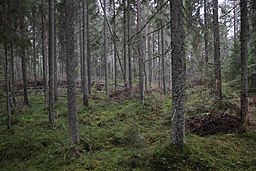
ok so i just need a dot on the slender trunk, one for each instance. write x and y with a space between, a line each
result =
129 50
124 47
51 63
105 49
7 84
88 49
71 70
217 61
244 62
55 54
140 52
178 73
44 56
206 36
85 54
34 54
13 89
163 61
114 32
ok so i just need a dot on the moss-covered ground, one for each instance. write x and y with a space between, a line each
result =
121 135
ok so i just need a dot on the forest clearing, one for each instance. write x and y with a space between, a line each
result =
128 85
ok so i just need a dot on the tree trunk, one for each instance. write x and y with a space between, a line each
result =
114 51
55 54
44 56
206 37
140 52
178 73
34 53
23 65
244 62
105 48
7 84
13 89
217 62
85 55
129 50
88 49
71 64
51 62
124 46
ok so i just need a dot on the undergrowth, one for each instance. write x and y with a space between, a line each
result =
120 135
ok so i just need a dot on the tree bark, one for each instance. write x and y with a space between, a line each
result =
206 36
244 62
178 73
85 55
217 62
124 46
44 56
140 52
51 63
105 48
114 51
34 52
71 64
7 84
129 50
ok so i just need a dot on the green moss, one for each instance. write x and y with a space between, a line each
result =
117 136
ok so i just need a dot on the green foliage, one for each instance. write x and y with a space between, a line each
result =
117 136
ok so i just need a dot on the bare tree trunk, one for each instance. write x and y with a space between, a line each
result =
244 62
55 54
105 48
34 53
124 46
88 49
114 32
7 84
23 64
13 89
71 60
206 35
129 50
140 52
51 63
44 56
217 63
178 73
150 69
85 55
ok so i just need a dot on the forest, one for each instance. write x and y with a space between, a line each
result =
127 85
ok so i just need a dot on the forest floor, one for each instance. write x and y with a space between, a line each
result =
121 134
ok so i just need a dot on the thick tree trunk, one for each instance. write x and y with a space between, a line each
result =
140 52
244 62
51 63
217 61
178 73
71 64
85 55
